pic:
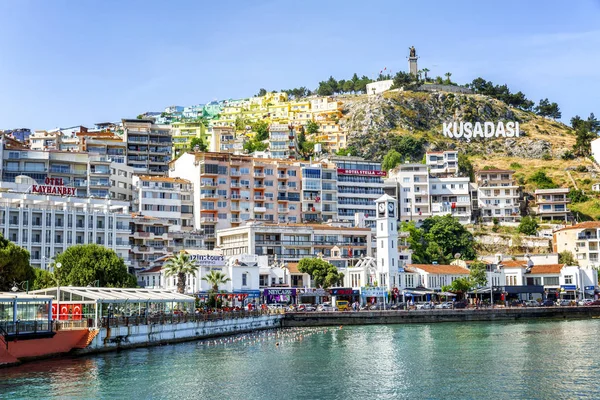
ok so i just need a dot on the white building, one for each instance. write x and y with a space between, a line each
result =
47 225
379 86
319 192
281 141
551 204
442 162
595 144
450 195
498 196
409 183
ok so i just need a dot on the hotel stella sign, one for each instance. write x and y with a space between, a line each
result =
360 172
54 186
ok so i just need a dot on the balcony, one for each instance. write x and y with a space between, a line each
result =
259 175
207 219
208 184
591 236
259 198
235 173
235 184
234 220
282 210
235 197
209 196
260 209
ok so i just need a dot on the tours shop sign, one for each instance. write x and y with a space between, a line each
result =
54 186
486 130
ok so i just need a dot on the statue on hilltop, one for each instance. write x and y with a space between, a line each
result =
413 52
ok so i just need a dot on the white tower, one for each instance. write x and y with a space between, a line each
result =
387 241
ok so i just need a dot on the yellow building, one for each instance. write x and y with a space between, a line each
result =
183 132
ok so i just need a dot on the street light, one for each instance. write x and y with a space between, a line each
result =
95 283
57 266
19 286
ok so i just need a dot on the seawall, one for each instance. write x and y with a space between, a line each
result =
125 337
308 319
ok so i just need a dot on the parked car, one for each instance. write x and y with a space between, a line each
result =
531 303
342 305
585 302
306 307
563 303
424 306
547 303
460 304
325 307
444 306
594 303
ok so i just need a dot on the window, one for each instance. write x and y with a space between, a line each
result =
244 279
406 180
434 187
568 279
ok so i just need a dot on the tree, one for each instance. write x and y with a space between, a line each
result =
215 279
14 264
577 196
312 127
180 265
425 71
528 226
348 151
477 274
547 109
459 286
262 130
254 145
585 131
409 147
391 160
83 264
465 167
439 239
542 181
566 257
323 274
261 92
406 81
202 147
42 279
448 75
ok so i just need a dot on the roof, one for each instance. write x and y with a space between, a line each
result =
546 269
318 226
549 191
293 268
20 296
440 268
152 270
583 225
162 179
514 263
484 171
119 295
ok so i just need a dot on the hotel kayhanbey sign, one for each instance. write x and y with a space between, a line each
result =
54 186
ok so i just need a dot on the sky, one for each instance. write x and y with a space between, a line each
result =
66 63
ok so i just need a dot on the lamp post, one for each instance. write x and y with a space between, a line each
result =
19 286
95 283
55 268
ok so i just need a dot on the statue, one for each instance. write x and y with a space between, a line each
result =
413 52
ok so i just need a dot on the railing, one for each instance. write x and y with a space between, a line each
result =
162 319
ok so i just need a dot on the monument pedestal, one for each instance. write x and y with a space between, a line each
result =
413 69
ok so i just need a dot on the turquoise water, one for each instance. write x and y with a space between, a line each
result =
543 360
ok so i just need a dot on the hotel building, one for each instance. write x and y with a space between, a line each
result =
47 225
552 204
581 240
498 196
409 184
230 189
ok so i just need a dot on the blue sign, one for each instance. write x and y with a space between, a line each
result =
589 288
569 287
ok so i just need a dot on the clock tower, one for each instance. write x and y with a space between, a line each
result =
387 241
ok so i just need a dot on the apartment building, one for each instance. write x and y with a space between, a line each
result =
498 196
327 111
225 140
184 131
582 240
149 240
552 204
442 163
44 140
451 195
291 242
121 181
319 192
282 143
46 225
148 146
409 184
230 189
165 198
359 184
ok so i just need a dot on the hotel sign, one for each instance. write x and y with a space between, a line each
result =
54 186
360 172
208 260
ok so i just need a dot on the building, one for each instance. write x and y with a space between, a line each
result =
359 184
165 198
43 140
498 196
552 204
442 163
291 242
432 276
374 88
47 225
581 240
595 145
149 241
20 134
184 131
149 146
409 183
319 192
230 189
451 195
282 143
224 139
121 178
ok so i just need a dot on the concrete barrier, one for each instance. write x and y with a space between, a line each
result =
308 319
123 337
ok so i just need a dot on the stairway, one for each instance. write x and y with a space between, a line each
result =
87 339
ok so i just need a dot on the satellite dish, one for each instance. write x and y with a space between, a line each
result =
457 256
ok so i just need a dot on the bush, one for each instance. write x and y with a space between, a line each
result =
542 181
515 165
581 168
546 157
577 196
528 226
568 155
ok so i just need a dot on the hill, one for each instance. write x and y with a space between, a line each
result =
404 120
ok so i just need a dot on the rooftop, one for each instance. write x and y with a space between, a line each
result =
583 225
485 171
116 295
546 269
551 191
514 263
162 179
440 269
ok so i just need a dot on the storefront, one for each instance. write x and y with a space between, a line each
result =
312 296
524 292
279 295
373 295
568 292
348 294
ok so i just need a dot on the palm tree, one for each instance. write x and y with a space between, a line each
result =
180 265
448 75
425 71
216 278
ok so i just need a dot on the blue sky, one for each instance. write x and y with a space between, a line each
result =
64 63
